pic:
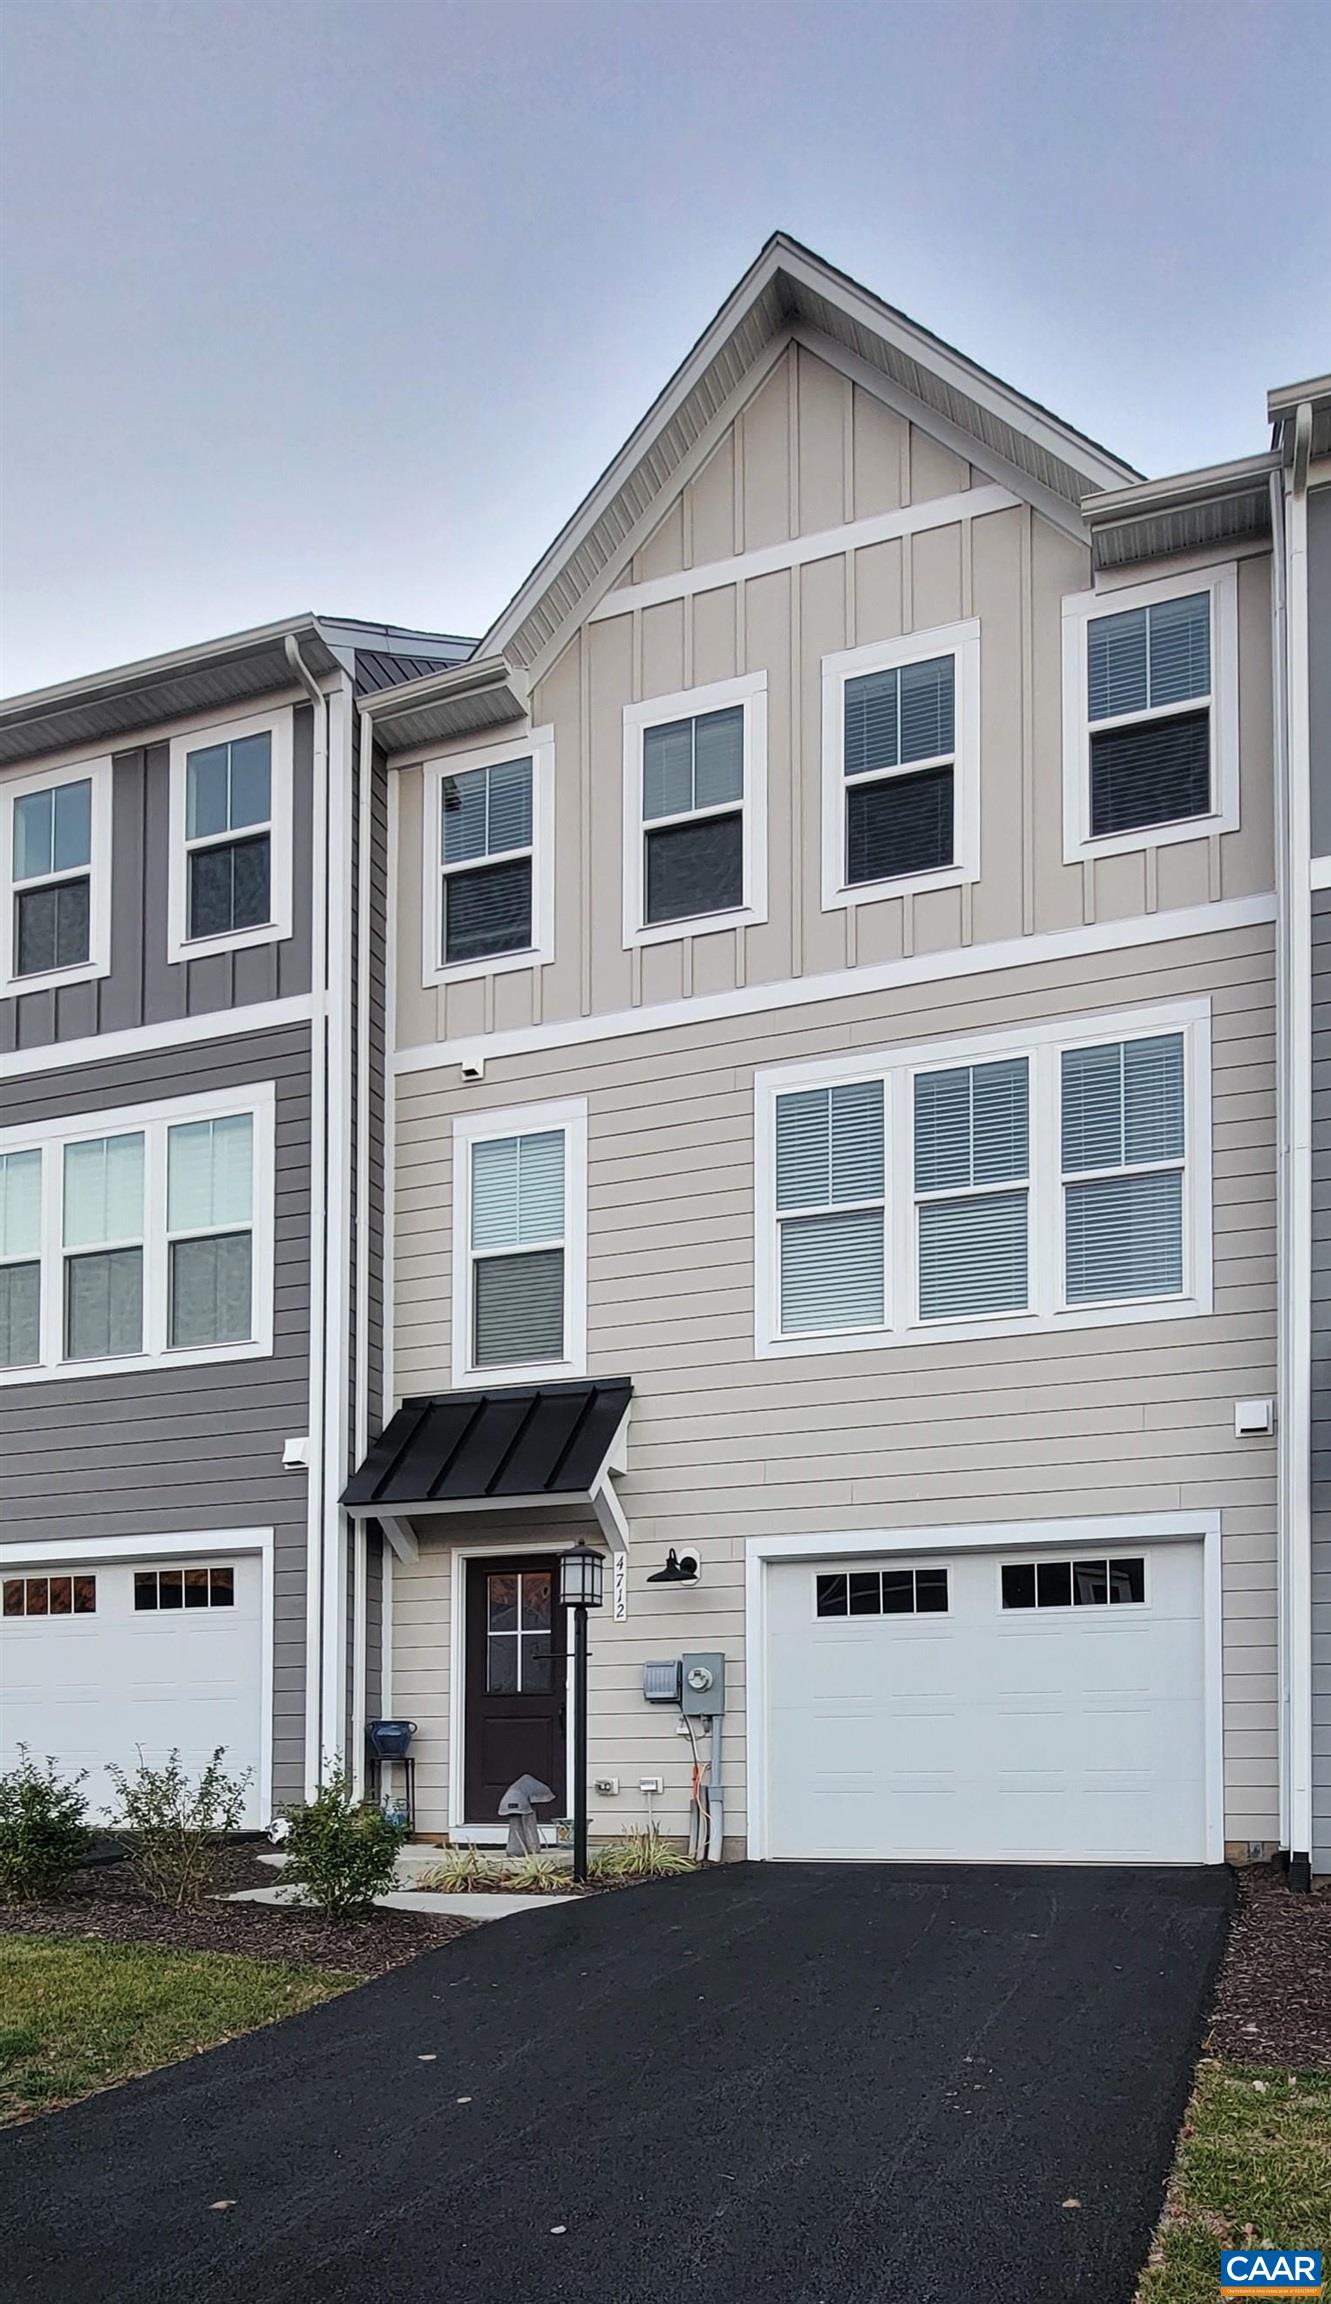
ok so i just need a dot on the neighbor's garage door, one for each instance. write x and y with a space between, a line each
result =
988 1707
99 1662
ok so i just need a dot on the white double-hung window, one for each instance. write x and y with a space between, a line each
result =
519 1243
145 1236
55 867
1039 1178
695 810
488 895
1150 704
901 765
231 833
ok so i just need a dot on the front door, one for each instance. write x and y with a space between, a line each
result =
515 1693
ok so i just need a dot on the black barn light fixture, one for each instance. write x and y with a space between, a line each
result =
677 1570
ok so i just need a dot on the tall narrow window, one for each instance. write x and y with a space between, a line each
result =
898 756
52 876
1149 705
518 1249
486 853
228 835
1123 1143
103 1247
831 1205
972 1169
693 816
20 1259
209 1218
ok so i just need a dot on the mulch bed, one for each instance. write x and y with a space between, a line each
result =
1273 2000
104 1902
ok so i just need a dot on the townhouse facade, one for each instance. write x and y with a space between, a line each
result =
188 1340
803 1110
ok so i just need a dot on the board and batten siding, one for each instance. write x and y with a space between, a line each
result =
1113 1420
810 454
143 986
1321 1381
170 1450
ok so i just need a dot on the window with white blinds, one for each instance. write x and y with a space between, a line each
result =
520 1242
488 860
55 872
145 1239
231 882
972 1202
831 1207
1124 1123
695 797
1056 1176
1151 712
901 764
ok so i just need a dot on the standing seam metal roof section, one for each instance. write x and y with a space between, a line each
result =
517 1440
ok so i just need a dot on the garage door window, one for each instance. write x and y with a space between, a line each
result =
163 1589
1074 1583
50 1596
882 1592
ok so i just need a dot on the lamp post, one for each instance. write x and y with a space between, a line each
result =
581 1576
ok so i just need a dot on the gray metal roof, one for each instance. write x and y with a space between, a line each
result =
376 670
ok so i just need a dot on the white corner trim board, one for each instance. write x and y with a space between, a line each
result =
844 983
1092 1533
147 1039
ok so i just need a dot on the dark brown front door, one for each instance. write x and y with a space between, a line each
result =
515 1695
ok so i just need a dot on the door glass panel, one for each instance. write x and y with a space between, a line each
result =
537 1664
503 1599
501 1665
536 1601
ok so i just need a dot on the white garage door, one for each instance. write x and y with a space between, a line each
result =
104 1661
988 1707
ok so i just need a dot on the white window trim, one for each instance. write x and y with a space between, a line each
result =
50 1137
98 963
962 643
570 1115
1080 609
539 746
1043 1045
750 691
180 945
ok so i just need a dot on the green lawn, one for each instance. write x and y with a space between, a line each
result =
1254 2164
75 2016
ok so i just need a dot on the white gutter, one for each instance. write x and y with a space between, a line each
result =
1294 859
361 1429
314 1512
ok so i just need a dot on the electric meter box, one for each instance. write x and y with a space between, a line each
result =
660 1682
703 1684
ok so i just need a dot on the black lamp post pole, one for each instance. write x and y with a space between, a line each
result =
580 1743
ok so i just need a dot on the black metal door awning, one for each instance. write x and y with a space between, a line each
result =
517 1445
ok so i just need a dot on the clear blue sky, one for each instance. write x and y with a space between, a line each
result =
342 304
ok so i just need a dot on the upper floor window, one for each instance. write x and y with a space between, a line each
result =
1058 1174
231 833
901 792
519 1243
1151 710
695 800
143 1236
55 860
489 862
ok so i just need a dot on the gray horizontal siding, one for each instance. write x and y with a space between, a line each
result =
166 1451
143 987
1321 1371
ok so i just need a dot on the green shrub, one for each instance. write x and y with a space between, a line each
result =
641 1855
43 1835
176 1825
540 1874
341 1852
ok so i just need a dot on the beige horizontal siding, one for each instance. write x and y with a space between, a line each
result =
1109 1420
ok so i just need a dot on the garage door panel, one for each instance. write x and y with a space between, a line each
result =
989 1734
124 1684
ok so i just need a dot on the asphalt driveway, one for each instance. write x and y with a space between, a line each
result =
804 2084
